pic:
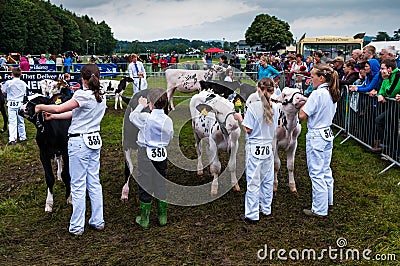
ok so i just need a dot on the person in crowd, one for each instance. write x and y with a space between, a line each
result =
265 70
195 66
372 81
163 62
223 61
398 98
389 52
297 64
338 63
155 133
276 63
86 108
350 74
356 54
259 123
154 63
318 56
389 89
309 63
2 60
51 60
137 73
362 74
237 63
368 53
295 69
15 89
59 62
173 61
319 111
229 75
67 89
68 63
42 59
24 64
30 59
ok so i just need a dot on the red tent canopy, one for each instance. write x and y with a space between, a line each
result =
214 50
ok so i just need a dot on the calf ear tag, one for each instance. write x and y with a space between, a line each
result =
238 102
204 112
58 101
204 109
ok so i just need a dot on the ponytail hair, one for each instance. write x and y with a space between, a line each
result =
331 77
91 74
266 86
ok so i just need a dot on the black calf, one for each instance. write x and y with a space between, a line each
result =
52 140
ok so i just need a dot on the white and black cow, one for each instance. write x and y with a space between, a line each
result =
52 139
287 132
188 80
212 119
115 88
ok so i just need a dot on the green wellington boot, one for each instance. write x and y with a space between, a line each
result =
143 219
162 212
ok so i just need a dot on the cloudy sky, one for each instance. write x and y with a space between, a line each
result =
149 20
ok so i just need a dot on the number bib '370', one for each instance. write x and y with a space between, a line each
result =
156 154
260 151
327 133
92 140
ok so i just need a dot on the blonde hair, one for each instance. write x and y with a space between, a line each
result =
331 77
266 86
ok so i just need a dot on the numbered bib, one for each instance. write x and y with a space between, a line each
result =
157 154
261 151
92 140
327 133
14 104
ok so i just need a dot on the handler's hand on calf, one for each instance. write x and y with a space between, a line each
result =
143 101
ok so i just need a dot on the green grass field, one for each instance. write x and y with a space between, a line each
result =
366 213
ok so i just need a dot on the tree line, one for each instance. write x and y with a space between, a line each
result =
38 26
35 26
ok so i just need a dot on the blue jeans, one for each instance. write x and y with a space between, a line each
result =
84 167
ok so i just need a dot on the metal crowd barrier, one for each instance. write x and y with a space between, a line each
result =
356 118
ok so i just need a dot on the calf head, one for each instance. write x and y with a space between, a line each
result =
292 99
223 110
27 110
62 84
123 82
214 70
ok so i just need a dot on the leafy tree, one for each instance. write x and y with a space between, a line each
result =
396 35
268 31
383 36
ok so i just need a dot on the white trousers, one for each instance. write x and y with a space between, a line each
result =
16 124
319 154
84 166
260 185
139 84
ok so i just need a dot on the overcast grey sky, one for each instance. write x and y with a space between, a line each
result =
149 20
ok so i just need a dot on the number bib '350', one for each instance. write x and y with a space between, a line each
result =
92 140
156 154
327 133
261 151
